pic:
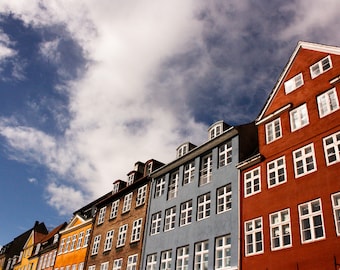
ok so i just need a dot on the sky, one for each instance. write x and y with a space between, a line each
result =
88 88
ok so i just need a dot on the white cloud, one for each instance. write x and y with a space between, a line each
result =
32 180
5 50
129 105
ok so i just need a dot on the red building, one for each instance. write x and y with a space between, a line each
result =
290 191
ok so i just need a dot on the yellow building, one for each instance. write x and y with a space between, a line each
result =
28 259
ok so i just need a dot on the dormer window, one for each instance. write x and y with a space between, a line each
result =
55 239
115 187
293 83
131 178
320 67
184 148
149 168
217 129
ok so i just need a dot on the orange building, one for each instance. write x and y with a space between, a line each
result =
290 190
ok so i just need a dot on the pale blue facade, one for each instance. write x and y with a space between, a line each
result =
159 240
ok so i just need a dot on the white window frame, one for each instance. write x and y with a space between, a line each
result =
166 259
308 212
87 237
173 185
186 213
224 199
273 130
280 229
206 170
160 187
127 202
80 266
170 219
80 240
215 131
203 206
108 240
136 230
117 264
132 262
331 146
74 241
225 154
320 67
67 244
328 102
252 182
114 209
104 266
182 258
61 246
141 195
91 267
294 83
131 179
253 230
201 255
156 223
299 117
115 187
304 160
189 172
336 211
276 172
101 215
122 235
151 261
223 252
95 246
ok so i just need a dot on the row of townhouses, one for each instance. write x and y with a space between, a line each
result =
263 195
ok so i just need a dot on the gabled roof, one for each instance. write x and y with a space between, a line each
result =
53 232
301 45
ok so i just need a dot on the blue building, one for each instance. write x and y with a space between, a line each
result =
193 214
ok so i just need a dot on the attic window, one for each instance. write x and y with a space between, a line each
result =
216 130
149 168
320 67
182 150
55 239
131 177
293 83
115 187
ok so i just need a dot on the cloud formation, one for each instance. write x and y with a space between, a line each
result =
146 76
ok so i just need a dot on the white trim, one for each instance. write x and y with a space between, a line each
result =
274 114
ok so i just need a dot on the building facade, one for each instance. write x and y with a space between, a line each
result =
290 191
193 215
118 226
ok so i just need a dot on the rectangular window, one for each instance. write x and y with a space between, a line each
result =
189 172
276 172
299 117
225 154
87 237
311 221
127 202
173 186
336 210
122 235
108 240
156 223
114 209
151 262
80 239
203 206
95 246
320 67
331 145
328 102
304 160
68 241
166 258
160 187
186 213
252 182
170 219
117 264
61 246
141 195
136 230
91 267
223 199
104 266
273 130
81 266
101 216
131 178
201 255
253 236
206 169
132 262
293 83
280 232
74 241
182 261
223 252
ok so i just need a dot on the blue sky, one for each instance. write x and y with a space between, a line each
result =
88 89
